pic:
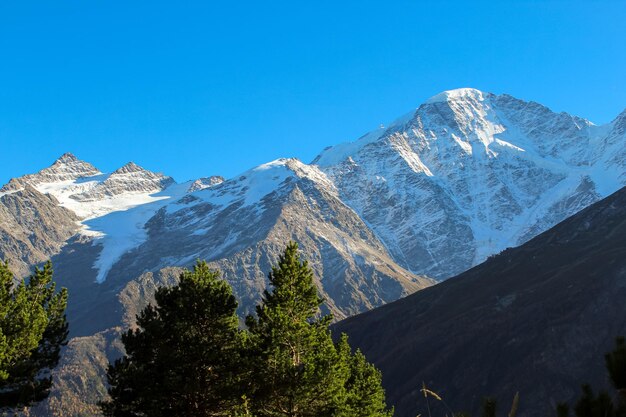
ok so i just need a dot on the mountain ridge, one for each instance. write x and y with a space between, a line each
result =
481 168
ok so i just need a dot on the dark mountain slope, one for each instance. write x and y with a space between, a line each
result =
535 319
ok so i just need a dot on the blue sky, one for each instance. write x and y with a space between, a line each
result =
196 88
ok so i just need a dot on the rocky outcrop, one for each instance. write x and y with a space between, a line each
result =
32 228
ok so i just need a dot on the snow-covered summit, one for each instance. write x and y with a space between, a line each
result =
251 186
82 188
457 94
129 179
470 173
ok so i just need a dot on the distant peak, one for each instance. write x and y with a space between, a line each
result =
128 168
68 162
67 157
457 94
205 182
291 164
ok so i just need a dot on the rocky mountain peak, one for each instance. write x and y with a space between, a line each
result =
66 158
128 168
205 182
66 168
69 163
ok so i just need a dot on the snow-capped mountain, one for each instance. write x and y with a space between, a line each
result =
469 174
462 177
132 220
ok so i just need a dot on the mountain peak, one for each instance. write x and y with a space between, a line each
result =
457 94
66 158
129 168
66 168
205 182
619 122
69 164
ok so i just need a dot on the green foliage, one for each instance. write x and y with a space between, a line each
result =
303 372
184 357
364 394
33 328
189 358
295 356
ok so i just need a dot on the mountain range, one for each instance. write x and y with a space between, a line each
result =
464 176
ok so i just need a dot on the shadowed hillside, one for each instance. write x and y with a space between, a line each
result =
535 319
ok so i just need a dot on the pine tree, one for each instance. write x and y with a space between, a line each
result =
300 370
33 328
188 357
185 357
297 365
364 395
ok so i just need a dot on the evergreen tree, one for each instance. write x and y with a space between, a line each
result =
364 396
185 357
188 357
300 371
297 364
33 328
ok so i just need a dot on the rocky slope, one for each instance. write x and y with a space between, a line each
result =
535 319
33 227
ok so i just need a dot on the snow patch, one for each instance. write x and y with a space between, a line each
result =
456 94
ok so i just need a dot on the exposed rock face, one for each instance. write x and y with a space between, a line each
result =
66 168
32 228
536 319
129 179
242 235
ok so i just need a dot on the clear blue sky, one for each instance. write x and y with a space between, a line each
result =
195 88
